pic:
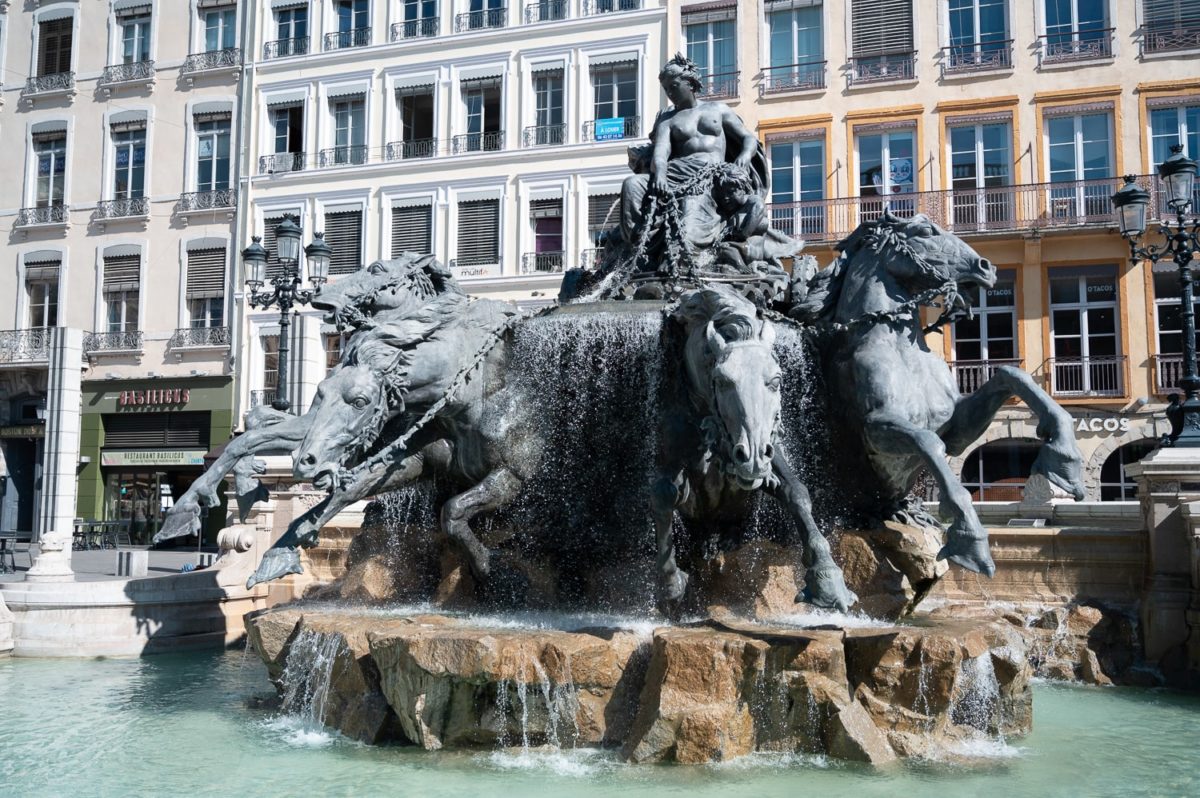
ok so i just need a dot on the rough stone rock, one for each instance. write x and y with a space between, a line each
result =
269 632
757 579
909 667
1081 620
891 567
852 735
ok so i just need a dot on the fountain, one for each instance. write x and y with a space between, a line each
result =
670 516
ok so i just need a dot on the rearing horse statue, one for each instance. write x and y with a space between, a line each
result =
885 382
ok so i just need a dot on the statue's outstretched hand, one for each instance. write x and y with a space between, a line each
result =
659 183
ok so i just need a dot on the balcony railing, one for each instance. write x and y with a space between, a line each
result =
1087 376
627 127
1184 36
48 215
481 20
417 148
999 209
880 68
124 341
123 208
544 135
792 77
262 397
546 11
208 200
965 59
489 141
137 72
282 162
720 84
199 338
972 374
25 346
346 155
424 28
593 7
1168 371
229 58
346 39
282 48
542 262
1085 45
55 83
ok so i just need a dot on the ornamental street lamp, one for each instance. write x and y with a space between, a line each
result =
1178 174
285 291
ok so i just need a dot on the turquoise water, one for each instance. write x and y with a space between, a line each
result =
179 725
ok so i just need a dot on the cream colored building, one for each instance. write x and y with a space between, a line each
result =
491 135
118 121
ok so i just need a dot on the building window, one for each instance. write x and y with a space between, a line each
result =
420 18
1174 126
1170 25
978 35
291 32
997 471
212 152
1168 324
288 124
1076 28
881 40
349 131
121 294
206 287
797 47
129 161
478 233
135 38
797 178
1080 149
483 14
270 372
1084 333
41 291
546 226
343 234
412 229
353 19
220 28
274 265
603 215
886 168
712 43
417 139
481 108
50 149
1115 484
980 158
548 108
333 351
614 88
55 39
988 339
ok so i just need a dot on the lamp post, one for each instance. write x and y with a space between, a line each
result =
1178 174
285 291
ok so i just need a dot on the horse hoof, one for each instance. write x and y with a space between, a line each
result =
972 555
670 601
826 588
275 564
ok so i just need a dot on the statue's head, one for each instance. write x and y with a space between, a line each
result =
383 285
680 71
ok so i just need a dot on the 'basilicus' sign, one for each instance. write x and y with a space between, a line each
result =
156 396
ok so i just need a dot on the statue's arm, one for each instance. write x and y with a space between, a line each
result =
736 130
662 154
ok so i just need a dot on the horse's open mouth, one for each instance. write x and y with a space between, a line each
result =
748 484
325 480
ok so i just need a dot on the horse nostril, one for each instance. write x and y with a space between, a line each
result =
769 452
308 460
741 454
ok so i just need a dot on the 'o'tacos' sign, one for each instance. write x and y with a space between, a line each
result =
1102 424
153 457
609 129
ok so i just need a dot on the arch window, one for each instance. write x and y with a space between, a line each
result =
1115 484
997 471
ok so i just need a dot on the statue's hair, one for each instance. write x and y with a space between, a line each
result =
684 67
734 316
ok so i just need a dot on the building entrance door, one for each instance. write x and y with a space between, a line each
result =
133 496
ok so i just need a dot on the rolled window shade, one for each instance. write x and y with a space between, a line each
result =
132 11
881 27
602 212
1160 14
479 232
483 83
205 273
42 270
412 229
343 234
132 125
121 273
720 11
546 209
415 90
213 116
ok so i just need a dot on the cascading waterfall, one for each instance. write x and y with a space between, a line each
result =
544 710
977 698
307 675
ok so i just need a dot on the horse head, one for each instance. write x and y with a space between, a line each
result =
735 379
383 285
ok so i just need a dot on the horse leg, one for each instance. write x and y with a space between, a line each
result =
966 539
824 583
493 491
1058 459
665 497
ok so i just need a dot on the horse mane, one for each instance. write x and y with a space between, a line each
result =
733 316
820 293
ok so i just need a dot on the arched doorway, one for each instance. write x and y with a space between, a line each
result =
996 471
1115 484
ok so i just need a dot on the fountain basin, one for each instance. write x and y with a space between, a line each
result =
714 690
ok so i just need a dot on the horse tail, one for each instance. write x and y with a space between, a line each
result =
816 298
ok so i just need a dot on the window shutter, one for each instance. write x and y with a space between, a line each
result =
479 232
602 212
45 267
343 234
156 430
206 273
212 116
54 43
882 27
718 11
412 229
121 273
132 11
1169 13
546 209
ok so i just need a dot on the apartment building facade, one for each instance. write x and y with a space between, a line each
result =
491 134
119 121
1010 123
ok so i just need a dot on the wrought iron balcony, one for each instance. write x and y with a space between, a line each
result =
282 48
54 83
542 262
481 20
137 72
122 341
282 162
229 58
1084 45
720 84
1181 36
1168 371
880 68
31 345
199 338
793 77
262 397
490 141
346 39
546 11
208 200
123 208
424 28
544 135
347 155
47 215
417 148
628 129
1087 376
593 7
966 59
972 374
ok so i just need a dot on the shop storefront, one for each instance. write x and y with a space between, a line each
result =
143 444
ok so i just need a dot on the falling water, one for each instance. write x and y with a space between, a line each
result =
307 675
977 698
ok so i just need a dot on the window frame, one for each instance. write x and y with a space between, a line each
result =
226 30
